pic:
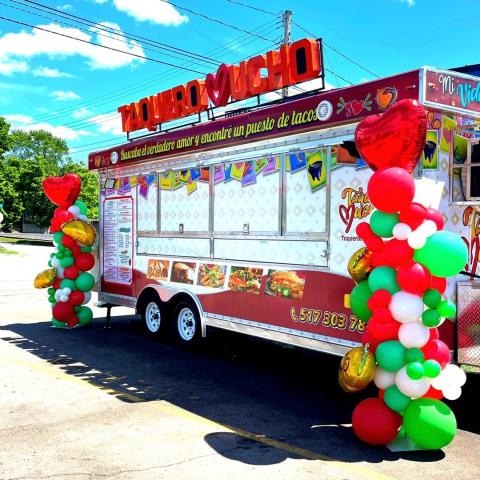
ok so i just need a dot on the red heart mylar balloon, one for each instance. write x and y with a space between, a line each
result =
62 191
395 138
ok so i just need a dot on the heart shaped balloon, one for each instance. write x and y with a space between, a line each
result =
395 138
218 86
62 191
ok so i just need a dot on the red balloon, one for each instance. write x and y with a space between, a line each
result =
391 189
75 250
433 393
414 278
372 240
76 298
73 321
59 220
62 191
438 283
71 272
56 283
63 311
436 216
381 394
373 343
434 334
382 326
84 261
374 423
394 253
437 350
413 215
69 242
380 298
395 138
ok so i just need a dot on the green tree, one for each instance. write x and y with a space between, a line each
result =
4 138
12 201
38 145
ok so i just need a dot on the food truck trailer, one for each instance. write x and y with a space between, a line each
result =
245 221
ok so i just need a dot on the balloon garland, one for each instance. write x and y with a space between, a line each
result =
68 280
400 277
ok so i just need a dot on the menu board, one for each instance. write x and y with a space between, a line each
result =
118 240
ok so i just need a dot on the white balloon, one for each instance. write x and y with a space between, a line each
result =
82 217
63 298
428 227
416 240
406 307
452 392
383 379
67 291
413 335
409 387
88 296
55 262
453 375
57 295
74 210
60 271
401 231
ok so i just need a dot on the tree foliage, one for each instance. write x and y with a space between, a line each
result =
26 158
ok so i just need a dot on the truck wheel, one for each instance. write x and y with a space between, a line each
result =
187 325
152 316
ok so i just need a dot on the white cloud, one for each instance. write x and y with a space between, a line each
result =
9 66
155 11
81 113
17 47
101 2
108 123
63 95
65 7
410 3
50 73
26 123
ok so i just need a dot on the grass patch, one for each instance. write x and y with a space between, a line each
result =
7 252
24 241
9 240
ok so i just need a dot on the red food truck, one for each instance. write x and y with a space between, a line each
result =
245 219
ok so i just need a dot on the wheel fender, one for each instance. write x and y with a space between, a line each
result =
167 293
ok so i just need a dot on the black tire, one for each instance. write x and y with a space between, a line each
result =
153 315
186 324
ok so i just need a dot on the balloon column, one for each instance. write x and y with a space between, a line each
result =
68 280
407 259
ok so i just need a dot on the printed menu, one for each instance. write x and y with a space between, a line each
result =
118 240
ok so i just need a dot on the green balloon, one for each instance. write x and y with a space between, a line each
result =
358 300
383 278
57 324
382 223
447 309
67 261
395 399
77 308
414 355
390 355
430 423
68 252
85 282
445 254
67 283
83 208
432 368
415 370
60 255
49 263
85 249
431 318
57 237
431 298
61 248
51 298
52 255
51 291
84 316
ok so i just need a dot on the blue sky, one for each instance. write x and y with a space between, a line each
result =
73 89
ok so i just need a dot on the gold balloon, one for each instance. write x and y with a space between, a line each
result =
357 369
45 279
359 265
80 231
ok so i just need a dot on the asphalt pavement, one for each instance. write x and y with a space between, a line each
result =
112 403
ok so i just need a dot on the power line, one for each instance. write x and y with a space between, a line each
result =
220 22
98 45
109 29
253 8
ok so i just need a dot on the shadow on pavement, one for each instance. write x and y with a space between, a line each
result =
289 395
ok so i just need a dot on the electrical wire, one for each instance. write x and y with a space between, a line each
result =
220 22
253 8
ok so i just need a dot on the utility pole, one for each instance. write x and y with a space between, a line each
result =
287 20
